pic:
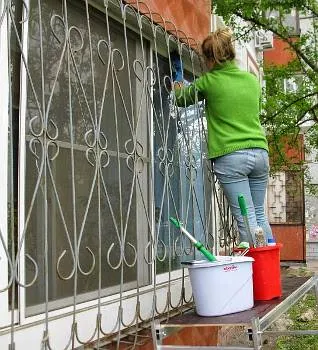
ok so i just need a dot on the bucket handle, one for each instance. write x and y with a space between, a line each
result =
242 252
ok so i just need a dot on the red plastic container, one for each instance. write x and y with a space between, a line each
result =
266 272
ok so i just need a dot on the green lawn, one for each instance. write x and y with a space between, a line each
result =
309 342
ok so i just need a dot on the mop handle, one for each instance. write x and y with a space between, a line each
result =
196 243
243 208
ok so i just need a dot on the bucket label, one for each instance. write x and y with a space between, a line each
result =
228 268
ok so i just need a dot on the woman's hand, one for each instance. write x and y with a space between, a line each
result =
178 85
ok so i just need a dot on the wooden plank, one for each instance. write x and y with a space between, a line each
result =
194 336
261 308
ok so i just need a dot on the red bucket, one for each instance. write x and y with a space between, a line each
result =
266 272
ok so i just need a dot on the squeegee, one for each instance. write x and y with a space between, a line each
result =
195 242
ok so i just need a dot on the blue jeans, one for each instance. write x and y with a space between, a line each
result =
245 172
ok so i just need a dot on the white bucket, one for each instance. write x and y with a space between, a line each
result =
222 287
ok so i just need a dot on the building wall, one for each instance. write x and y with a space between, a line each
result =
191 18
311 205
283 195
280 54
311 201
311 216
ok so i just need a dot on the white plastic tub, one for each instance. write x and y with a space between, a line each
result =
222 287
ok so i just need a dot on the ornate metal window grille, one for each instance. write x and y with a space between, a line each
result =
285 198
98 158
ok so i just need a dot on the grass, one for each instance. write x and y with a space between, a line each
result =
306 342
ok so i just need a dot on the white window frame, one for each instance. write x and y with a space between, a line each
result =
4 124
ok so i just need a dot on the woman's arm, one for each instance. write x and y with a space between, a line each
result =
188 95
185 95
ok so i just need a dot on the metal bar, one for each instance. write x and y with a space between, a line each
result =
160 331
292 332
281 308
155 333
163 331
257 337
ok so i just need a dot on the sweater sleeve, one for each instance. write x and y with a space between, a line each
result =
189 95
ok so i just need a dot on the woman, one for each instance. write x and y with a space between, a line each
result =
237 144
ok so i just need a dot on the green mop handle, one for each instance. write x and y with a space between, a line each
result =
204 251
196 243
243 208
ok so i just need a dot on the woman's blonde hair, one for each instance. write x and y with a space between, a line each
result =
218 46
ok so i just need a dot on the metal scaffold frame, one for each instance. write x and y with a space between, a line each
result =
259 324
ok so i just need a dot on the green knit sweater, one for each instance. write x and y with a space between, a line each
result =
232 108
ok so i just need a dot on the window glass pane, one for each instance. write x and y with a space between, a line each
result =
167 188
69 93
179 152
82 197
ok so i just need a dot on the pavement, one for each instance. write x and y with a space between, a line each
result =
309 268
312 265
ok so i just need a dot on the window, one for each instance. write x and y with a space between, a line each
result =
290 85
179 172
85 108
90 137
290 21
